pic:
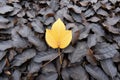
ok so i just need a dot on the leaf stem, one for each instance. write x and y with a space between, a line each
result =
60 56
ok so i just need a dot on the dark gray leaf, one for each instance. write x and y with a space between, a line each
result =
117 10
68 17
84 32
45 56
2 54
116 78
48 76
75 8
54 4
116 57
4 9
111 28
23 57
69 49
3 20
76 17
17 8
40 45
21 13
91 41
11 1
3 1
59 14
117 39
89 13
34 67
4 78
47 12
83 3
64 13
96 72
48 68
16 75
48 73
22 20
71 26
79 53
94 19
2 65
31 14
25 31
112 20
104 50
37 26
5 45
93 1
12 53
18 42
96 6
113 1
65 74
109 67
78 73
49 20
97 29
102 12
3 26
64 3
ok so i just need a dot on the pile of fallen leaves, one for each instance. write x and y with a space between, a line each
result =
93 54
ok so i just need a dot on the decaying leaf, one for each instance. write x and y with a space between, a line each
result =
94 19
48 73
3 26
37 26
16 75
5 45
92 40
89 13
45 56
26 32
2 54
11 1
3 20
90 57
96 72
23 57
2 65
79 53
78 73
74 72
112 20
111 28
102 12
34 67
104 51
5 9
109 67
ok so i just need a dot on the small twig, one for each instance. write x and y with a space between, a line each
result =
51 60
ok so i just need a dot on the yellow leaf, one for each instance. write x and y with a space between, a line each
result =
58 36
